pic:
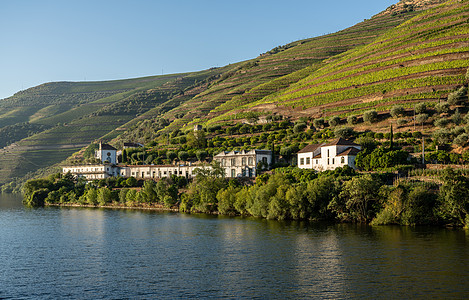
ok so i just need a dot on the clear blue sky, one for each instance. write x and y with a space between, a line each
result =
61 40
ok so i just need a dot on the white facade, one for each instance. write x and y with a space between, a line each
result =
328 156
243 163
106 153
92 172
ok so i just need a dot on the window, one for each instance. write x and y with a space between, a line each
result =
327 154
316 161
328 160
264 160
109 154
342 160
333 161
233 161
308 161
223 162
302 161
233 173
250 161
243 161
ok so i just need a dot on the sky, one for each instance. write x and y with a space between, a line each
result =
88 40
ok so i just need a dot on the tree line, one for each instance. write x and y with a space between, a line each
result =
342 195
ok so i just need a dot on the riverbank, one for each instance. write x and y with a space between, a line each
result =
116 206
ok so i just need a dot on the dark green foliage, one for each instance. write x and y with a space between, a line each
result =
359 199
370 116
344 132
457 97
442 107
421 118
381 158
454 198
352 120
420 108
334 121
397 111
319 123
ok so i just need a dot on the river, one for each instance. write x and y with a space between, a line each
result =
83 253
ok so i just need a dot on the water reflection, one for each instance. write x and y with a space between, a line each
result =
103 253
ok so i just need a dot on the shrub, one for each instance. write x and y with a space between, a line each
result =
421 118
420 108
319 123
441 122
461 140
442 136
442 107
457 96
370 116
352 120
344 132
401 122
397 111
334 121
300 127
456 117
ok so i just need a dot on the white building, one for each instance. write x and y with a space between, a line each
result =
243 163
106 153
92 172
328 156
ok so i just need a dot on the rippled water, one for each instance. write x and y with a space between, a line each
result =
95 253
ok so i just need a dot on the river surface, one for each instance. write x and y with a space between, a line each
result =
74 253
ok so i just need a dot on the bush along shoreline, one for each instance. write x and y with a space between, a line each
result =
342 195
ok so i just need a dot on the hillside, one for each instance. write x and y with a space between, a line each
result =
423 59
406 54
46 124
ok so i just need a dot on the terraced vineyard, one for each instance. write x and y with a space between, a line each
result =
421 60
72 115
277 69
405 54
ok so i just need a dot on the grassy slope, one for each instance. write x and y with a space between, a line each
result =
80 119
421 60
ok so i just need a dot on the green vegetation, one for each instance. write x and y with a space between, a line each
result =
340 195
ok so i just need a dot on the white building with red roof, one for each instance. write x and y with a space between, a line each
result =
328 156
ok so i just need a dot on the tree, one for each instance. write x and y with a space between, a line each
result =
334 121
370 116
352 120
201 155
462 139
454 197
183 155
226 200
360 198
344 132
171 155
148 191
197 139
457 96
397 111
420 108
319 123
442 107
421 118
